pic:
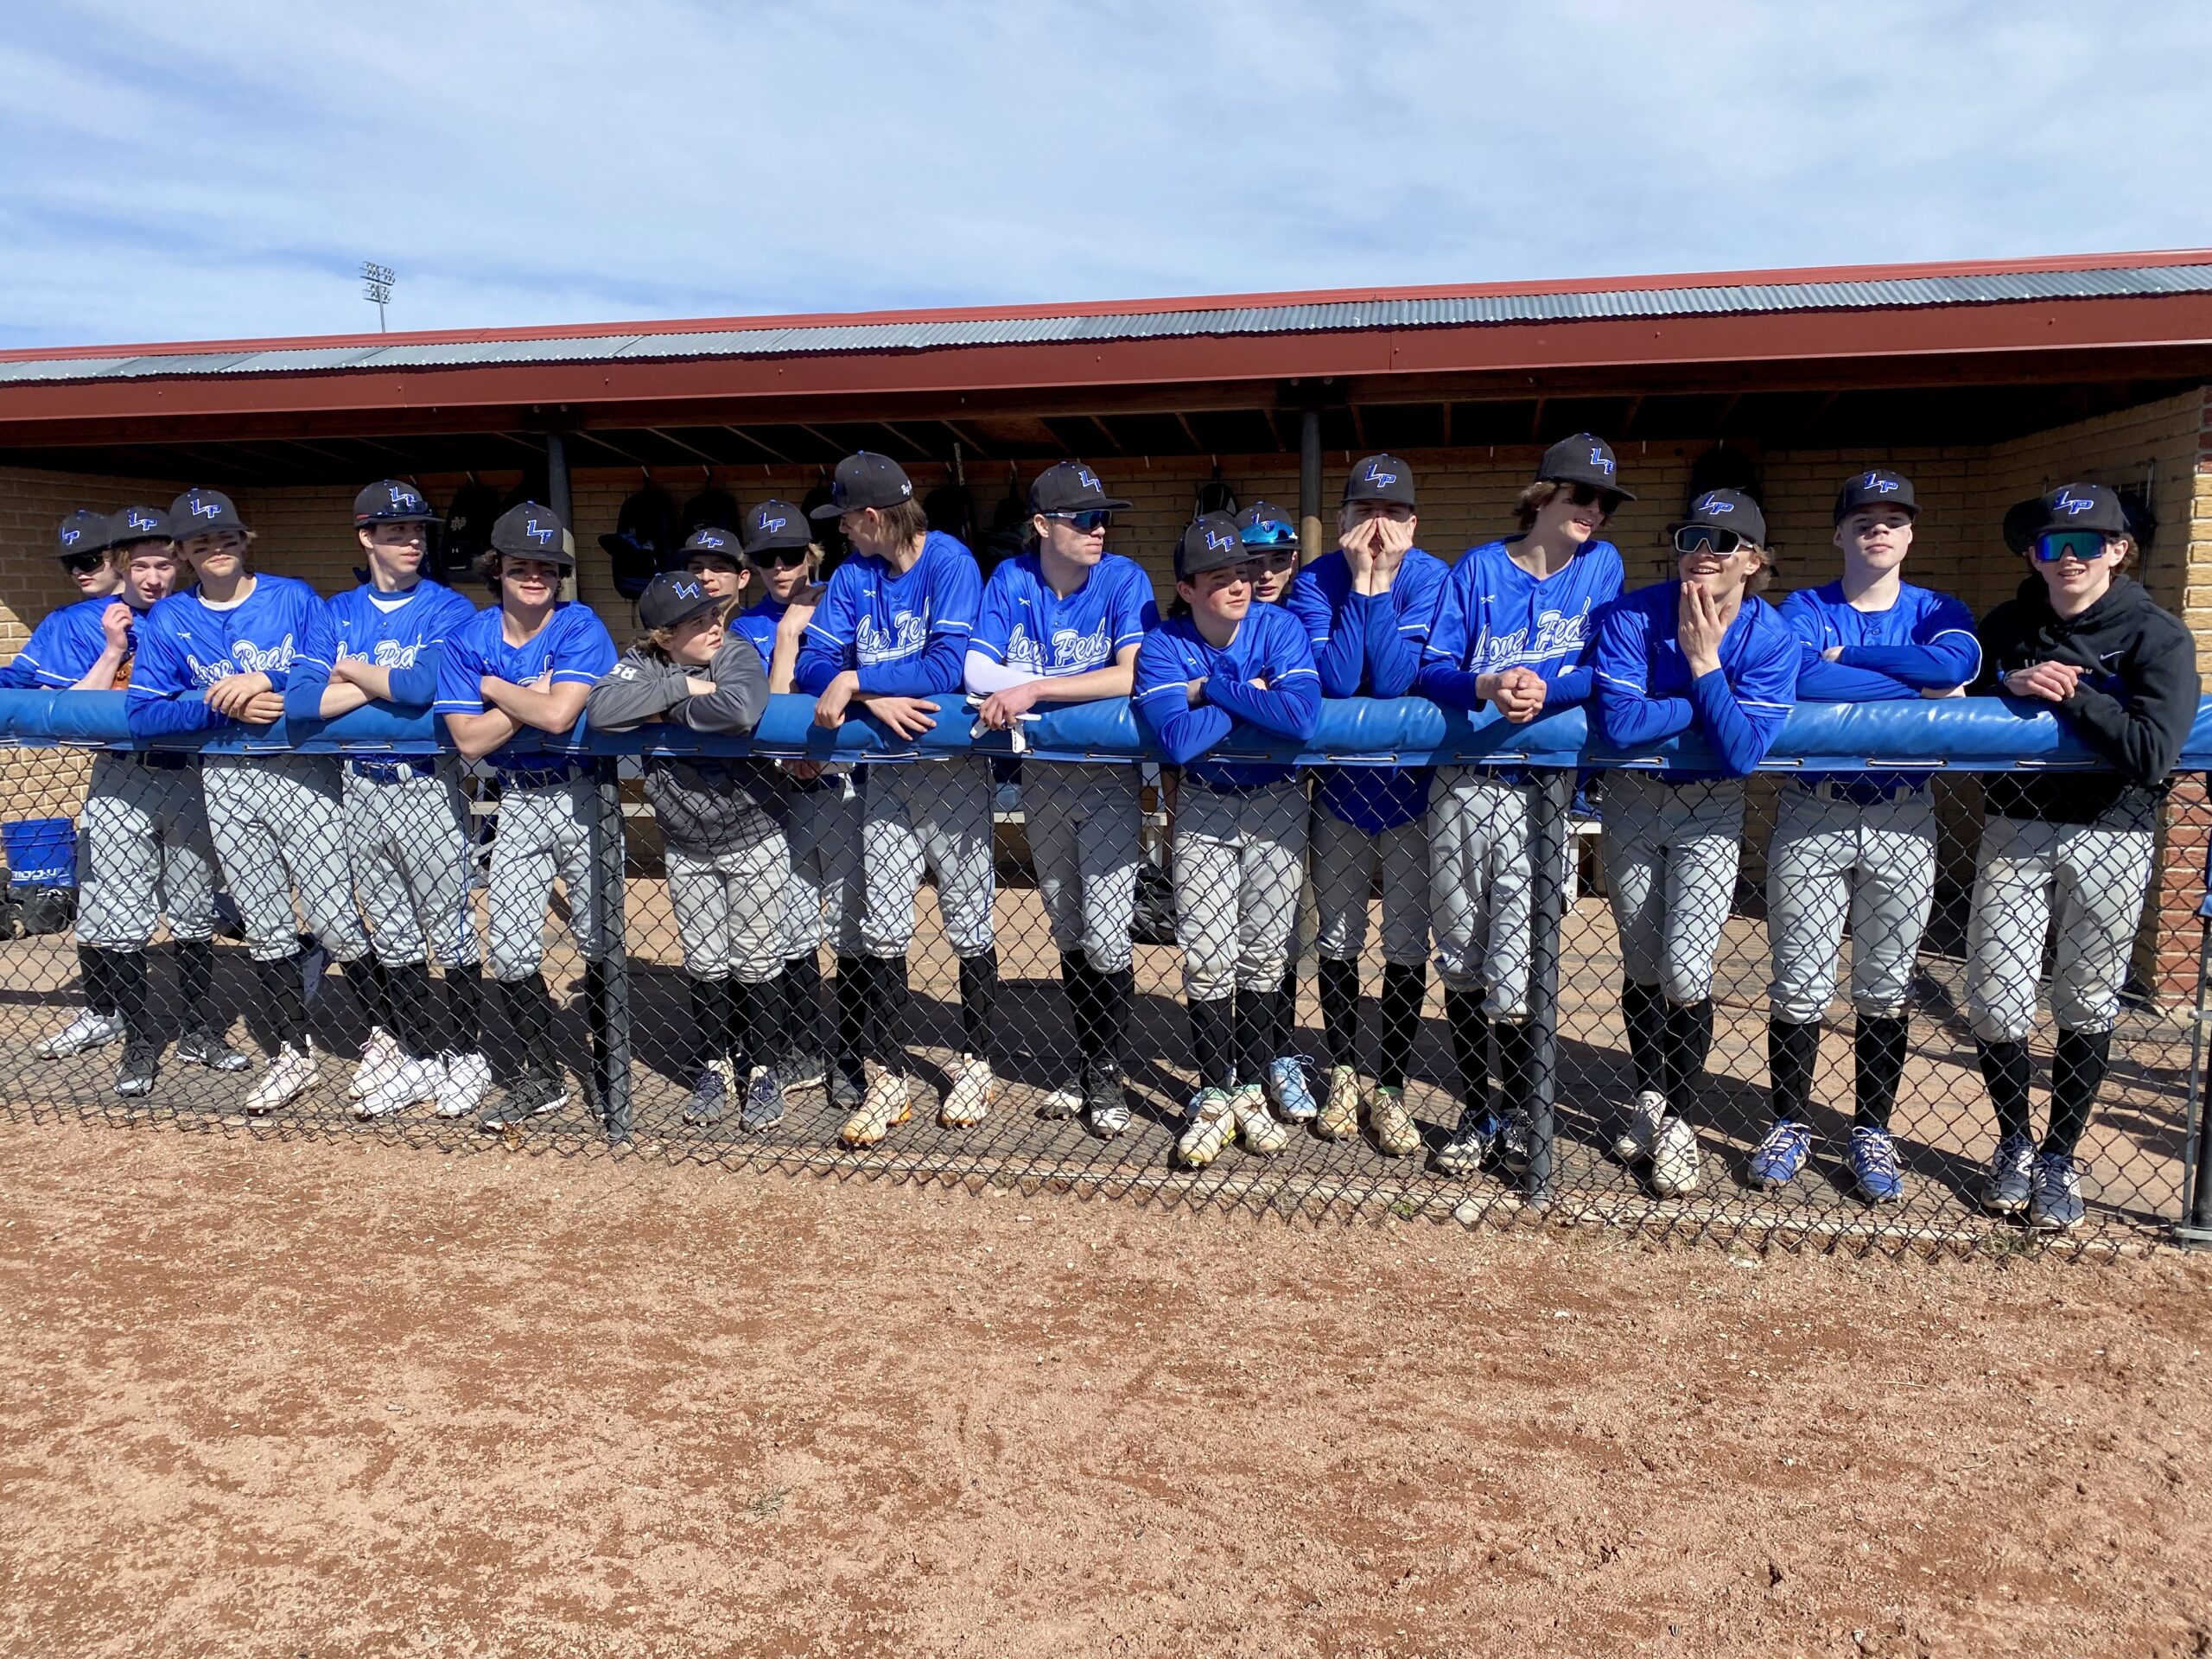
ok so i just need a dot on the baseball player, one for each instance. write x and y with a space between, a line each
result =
2069 853
892 634
246 648
143 830
1856 844
713 555
1272 541
406 823
822 827
512 683
1366 609
1240 827
720 818
1514 629
1702 653
1061 623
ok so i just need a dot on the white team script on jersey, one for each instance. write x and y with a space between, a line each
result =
1558 634
248 658
385 653
873 644
1070 653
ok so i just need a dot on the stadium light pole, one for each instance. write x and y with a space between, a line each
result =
376 286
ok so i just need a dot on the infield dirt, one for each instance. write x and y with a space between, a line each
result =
311 1397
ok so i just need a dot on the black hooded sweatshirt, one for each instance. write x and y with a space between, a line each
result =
2134 703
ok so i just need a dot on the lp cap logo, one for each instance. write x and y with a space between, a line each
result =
1377 475
70 537
1600 460
404 497
1215 538
2069 504
1088 479
1880 481
1714 503
776 522
531 528
202 508
135 521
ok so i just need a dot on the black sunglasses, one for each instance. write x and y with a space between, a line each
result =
782 558
78 564
1589 495
1087 521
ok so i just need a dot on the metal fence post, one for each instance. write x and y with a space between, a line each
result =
1548 845
610 1020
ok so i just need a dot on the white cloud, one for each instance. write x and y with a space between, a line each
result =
216 168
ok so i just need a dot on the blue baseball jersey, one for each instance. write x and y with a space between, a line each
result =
1646 693
1493 615
905 634
1369 645
1032 629
403 632
758 624
282 630
63 647
1270 644
1925 641
574 644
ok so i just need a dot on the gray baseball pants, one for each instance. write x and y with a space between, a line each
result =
544 833
932 816
279 827
1480 897
1083 841
145 853
822 898
408 839
1829 859
1345 859
1671 852
2028 875
729 910
1239 859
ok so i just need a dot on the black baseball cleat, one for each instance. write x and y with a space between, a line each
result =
802 1068
135 1075
848 1087
201 1046
523 1099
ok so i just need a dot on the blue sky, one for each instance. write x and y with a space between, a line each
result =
186 171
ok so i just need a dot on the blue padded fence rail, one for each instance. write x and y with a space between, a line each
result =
1952 734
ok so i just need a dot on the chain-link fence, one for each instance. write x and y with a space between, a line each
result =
1389 980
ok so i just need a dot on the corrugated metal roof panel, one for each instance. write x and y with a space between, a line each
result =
1447 311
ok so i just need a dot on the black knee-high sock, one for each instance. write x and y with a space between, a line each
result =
97 980
1643 1011
756 1026
464 1005
1289 986
529 1010
413 1015
1689 1041
806 1024
372 990
2077 1070
1878 1061
1116 991
1082 989
1793 1050
886 1012
2004 1070
284 998
1212 1038
1339 987
855 1001
1257 1027
195 984
126 971
1404 986
979 1001
1517 1058
1463 1013
711 1024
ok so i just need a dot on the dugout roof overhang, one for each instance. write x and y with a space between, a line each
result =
1829 357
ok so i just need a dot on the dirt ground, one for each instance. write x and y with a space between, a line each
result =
318 1397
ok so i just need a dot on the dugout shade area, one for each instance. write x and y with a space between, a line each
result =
1983 383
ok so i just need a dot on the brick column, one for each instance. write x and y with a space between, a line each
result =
2166 953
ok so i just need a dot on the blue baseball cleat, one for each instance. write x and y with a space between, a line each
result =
1779 1160
1293 1098
1873 1159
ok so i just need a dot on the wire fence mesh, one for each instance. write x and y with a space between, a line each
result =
1512 994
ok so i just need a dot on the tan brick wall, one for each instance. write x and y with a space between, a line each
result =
32 505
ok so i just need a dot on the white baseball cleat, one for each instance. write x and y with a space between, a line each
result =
882 1110
411 1082
87 1030
969 1096
1262 1131
1640 1133
1208 1126
289 1076
467 1080
380 1057
1674 1160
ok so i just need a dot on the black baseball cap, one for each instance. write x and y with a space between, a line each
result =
2081 506
864 481
391 501
531 531
776 523
710 538
1381 478
1212 542
1264 525
671 596
82 531
1586 458
1071 488
201 513
1728 510
1878 487
135 524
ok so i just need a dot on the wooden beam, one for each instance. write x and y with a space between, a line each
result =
1536 421
1635 407
1112 442
765 448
